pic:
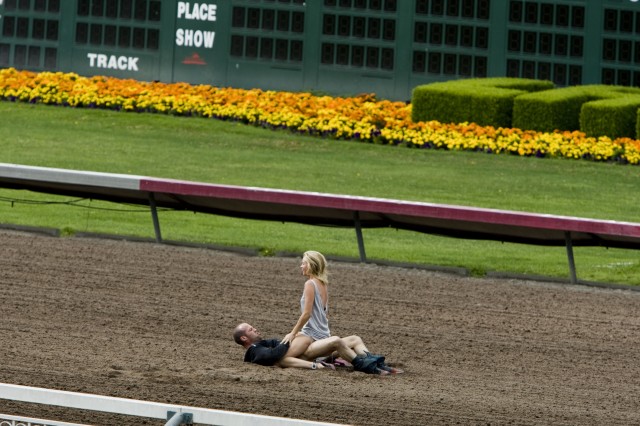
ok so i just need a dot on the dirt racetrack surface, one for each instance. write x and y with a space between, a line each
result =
153 322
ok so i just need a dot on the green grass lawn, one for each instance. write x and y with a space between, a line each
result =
230 153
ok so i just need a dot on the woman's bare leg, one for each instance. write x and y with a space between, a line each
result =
298 346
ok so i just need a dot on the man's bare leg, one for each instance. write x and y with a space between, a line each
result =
289 362
356 344
326 347
293 357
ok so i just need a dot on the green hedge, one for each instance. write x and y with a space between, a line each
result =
484 101
615 118
550 110
597 110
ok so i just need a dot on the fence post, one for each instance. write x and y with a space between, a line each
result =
176 419
356 220
154 216
572 263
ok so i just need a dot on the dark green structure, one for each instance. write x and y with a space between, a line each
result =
345 47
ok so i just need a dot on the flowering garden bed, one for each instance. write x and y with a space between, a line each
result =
360 118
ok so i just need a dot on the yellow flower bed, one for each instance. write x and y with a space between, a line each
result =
360 118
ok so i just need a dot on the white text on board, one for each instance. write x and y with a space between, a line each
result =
113 62
187 37
194 38
197 11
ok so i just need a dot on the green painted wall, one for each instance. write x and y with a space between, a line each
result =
328 46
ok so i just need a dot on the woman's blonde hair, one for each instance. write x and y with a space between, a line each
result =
317 265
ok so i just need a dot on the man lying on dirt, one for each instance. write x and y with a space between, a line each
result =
321 354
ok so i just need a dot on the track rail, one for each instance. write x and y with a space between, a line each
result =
313 208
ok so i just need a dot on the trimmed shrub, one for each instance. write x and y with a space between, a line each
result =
596 110
484 101
550 110
614 118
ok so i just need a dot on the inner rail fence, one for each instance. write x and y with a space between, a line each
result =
172 414
313 208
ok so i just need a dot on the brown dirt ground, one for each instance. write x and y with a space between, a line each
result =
153 322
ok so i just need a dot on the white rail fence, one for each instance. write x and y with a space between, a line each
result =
8 420
172 414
